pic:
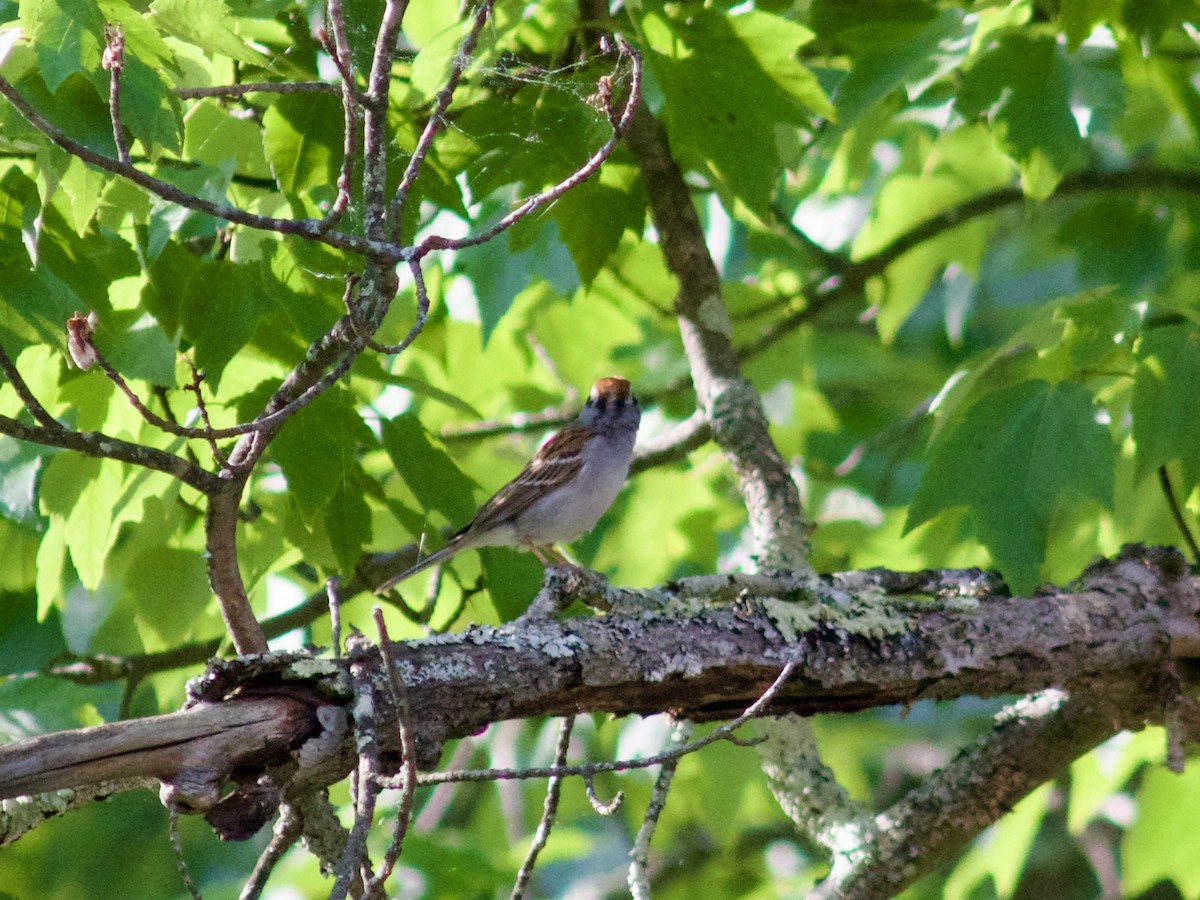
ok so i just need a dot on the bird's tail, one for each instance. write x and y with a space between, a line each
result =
432 559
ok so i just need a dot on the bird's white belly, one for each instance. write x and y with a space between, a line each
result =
573 509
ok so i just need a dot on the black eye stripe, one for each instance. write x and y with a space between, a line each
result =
600 403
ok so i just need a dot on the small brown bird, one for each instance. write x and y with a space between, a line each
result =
563 491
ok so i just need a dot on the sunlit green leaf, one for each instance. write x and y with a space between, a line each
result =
68 36
1151 850
1001 851
302 138
1096 776
427 470
205 23
169 587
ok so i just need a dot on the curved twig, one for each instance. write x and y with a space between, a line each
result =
313 229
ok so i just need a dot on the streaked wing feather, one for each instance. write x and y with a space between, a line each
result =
558 461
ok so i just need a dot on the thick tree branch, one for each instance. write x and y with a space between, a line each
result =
657 653
200 741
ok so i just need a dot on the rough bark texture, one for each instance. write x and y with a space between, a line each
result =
1125 619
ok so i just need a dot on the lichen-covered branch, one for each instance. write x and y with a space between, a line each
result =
658 652
1032 741
730 404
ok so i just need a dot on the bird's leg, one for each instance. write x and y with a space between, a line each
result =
549 555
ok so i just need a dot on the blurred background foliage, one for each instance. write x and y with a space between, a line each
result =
959 244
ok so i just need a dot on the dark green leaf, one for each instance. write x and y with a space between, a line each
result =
20 465
1165 402
348 523
593 217
217 305
316 450
512 580
75 108
896 45
728 88
169 589
1018 455
1080 17
429 473
149 109
1118 241
501 269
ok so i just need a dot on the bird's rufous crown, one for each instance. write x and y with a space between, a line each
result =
612 387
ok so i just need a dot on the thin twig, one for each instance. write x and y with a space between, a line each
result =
180 859
436 117
408 749
602 807
195 388
98 444
639 854
414 266
570 392
365 780
549 812
557 415
522 423
333 586
313 229
113 61
257 87
287 831
262 423
580 175
830 260
35 408
344 60
375 130
850 277
673 444
1164 479
720 733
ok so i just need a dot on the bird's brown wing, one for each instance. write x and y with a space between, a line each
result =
557 462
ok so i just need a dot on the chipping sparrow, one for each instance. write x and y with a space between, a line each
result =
563 491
